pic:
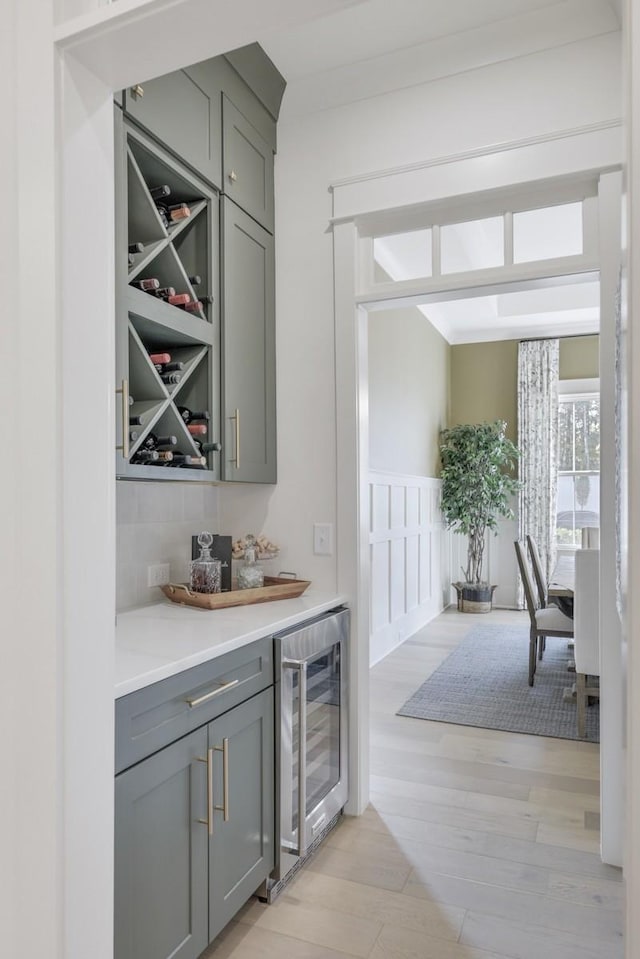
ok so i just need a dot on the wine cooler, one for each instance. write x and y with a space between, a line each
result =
312 747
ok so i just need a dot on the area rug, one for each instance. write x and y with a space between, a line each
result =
484 683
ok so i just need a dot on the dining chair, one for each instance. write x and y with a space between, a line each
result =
538 572
545 620
587 640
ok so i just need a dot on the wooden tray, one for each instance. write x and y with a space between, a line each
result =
275 587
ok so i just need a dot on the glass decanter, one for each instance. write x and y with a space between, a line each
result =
250 575
206 570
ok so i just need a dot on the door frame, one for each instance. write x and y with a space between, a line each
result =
402 195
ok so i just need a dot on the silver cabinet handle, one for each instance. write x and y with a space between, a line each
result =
236 418
233 176
222 687
124 446
208 822
301 668
137 91
224 808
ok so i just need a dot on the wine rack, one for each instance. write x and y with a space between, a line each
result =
182 256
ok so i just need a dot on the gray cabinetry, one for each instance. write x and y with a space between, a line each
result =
181 109
248 349
247 166
194 816
242 843
167 355
161 854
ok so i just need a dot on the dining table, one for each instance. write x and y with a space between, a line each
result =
563 578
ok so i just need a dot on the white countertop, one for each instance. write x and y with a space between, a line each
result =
155 642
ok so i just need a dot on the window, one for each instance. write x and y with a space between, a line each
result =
547 233
578 503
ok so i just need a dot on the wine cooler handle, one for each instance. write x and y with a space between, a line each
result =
124 446
236 418
233 176
301 668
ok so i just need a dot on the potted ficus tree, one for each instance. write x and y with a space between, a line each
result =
478 462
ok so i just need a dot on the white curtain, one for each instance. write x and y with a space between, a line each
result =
538 366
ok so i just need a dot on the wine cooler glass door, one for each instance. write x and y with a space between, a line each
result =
314 744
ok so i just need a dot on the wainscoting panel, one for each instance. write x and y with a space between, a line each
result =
409 558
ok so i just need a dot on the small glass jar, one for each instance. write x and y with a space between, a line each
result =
250 575
206 570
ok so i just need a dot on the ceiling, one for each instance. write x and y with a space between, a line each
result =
371 47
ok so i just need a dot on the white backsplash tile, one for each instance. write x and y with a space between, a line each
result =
155 522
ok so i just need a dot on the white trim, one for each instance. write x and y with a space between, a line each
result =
489 150
577 387
580 155
612 758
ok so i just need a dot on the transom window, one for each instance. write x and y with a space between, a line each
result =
512 238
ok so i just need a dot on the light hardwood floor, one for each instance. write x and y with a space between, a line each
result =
477 844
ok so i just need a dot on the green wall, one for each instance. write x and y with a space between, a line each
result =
579 357
484 381
484 378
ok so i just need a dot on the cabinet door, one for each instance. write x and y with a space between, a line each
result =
184 116
247 166
161 854
242 845
248 337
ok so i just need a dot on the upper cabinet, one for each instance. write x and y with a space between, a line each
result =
184 115
206 135
247 166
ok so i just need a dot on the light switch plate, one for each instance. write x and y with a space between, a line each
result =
159 574
323 539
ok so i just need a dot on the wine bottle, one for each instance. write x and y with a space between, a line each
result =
195 280
165 456
133 436
131 259
187 459
179 299
197 429
145 456
154 442
204 448
194 307
136 248
190 416
158 192
135 421
178 211
171 379
165 292
168 367
160 357
172 214
147 285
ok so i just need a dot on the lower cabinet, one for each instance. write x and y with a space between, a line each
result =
194 834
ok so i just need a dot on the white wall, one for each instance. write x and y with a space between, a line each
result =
154 524
408 392
575 85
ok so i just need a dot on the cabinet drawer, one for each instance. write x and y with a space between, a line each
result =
155 716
